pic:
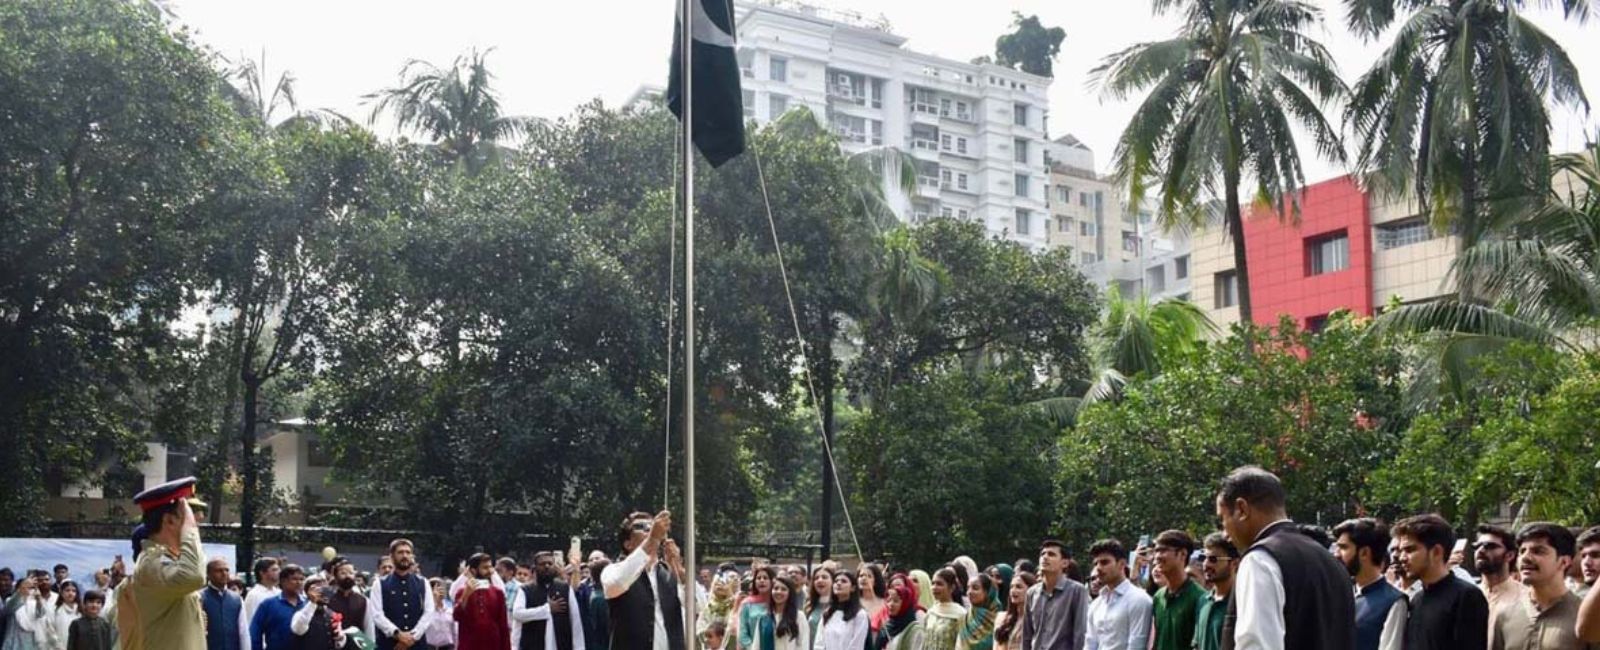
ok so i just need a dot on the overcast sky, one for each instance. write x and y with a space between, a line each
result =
552 56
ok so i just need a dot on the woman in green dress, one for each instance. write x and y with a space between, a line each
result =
821 599
983 604
945 620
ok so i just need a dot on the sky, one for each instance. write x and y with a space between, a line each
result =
549 56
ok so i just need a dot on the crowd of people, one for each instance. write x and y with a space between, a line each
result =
1261 582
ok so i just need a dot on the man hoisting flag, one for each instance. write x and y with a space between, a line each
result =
703 91
718 109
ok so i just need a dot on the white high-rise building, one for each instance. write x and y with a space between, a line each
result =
976 131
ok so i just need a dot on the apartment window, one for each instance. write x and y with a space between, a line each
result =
749 98
962 111
1328 253
1019 114
961 145
944 176
961 181
944 141
1083 199
1155 279
1021 147
946 212
1404 232
1226 286
1022 184
778 69
1089 258
1064 193
877 93
1024 221
877 131
944 107
777 105
1086 229
1130 242
1316 324
1063 224
1180 267
963 213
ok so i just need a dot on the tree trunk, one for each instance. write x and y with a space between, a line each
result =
1241 265
245 555
825 384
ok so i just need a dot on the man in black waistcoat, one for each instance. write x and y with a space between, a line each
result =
351 605
643 596
557 598
401 604
313 625
1289 592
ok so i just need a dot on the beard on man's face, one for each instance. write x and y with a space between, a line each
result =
1353 566
1487 565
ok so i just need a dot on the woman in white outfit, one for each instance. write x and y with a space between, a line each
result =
845 625
63 614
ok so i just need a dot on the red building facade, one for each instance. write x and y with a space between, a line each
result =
1318 265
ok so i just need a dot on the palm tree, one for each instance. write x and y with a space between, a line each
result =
1134 337
1224 96
1535 279
1454 111
456 107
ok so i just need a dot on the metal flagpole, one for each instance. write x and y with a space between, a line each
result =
686 10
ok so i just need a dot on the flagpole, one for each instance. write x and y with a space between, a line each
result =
686 74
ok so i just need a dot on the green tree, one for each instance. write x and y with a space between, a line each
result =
999 304
955 464
1225 94
457 107
1133 337
112 127
1524 435
1320 410
273 267
1455 111
1030 46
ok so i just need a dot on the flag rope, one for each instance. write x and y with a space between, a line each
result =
794 317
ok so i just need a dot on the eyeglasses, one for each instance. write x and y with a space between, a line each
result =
643 526
1215 559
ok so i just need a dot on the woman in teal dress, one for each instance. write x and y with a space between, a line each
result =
754 608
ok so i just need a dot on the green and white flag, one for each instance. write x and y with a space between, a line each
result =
718 100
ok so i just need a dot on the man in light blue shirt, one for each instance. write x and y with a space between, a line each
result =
1120 617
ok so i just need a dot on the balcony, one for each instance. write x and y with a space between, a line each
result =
959 116
928 186
925 149
845 93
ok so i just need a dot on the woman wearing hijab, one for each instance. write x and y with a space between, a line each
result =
821 597
719 606
945 620
1001 574
977 631
874 590
903 628
924 585
782 628
30 617
844 627
1008 625
754 608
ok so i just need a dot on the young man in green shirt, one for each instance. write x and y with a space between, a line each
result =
1177 605
1218 565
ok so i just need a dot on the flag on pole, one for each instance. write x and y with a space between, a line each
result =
718 114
